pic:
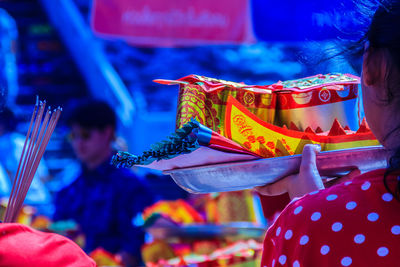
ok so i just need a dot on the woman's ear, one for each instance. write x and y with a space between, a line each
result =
374 66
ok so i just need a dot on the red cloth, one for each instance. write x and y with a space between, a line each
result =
356 223
22 246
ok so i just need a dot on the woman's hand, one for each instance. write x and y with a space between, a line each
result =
297 185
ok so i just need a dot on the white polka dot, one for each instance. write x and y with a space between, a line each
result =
325 249
273 263
331 197
359 238
296 264
396 230
304 240
314 192
351 205
288 234
315 216
337 226
282 259
346 261
373 216
298 210
348 182
387 197
366 185
382 251
278 231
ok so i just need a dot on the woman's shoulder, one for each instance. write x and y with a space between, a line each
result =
362 195
337 220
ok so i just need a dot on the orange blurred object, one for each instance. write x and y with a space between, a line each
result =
157 250
178 211
105 258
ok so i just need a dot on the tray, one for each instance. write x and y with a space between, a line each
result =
243 175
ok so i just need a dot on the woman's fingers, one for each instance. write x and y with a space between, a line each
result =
307 180
278 188
309 158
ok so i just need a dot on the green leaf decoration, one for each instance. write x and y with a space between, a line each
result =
183 141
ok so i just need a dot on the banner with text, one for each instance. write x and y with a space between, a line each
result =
173 23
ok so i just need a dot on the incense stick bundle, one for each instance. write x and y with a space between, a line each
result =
40 129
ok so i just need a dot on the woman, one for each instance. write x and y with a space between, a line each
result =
355 223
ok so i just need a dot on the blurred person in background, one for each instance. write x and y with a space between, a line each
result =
103 200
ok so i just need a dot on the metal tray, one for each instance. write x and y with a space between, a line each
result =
243 175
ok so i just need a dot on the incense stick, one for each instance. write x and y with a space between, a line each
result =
35 163
37 138
14 187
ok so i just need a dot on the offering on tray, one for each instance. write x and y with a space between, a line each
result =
225 122
308 102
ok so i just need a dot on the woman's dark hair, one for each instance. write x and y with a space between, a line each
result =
384 32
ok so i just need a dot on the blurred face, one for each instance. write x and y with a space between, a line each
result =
90 145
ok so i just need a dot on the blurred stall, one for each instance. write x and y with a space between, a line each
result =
206 230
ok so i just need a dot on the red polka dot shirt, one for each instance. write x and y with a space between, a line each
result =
356 223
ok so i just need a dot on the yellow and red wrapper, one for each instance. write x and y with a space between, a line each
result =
307 102
204 99
268 140
317 101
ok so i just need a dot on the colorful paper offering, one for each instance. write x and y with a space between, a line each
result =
317 101
221 121
308 102
204 99
267 140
